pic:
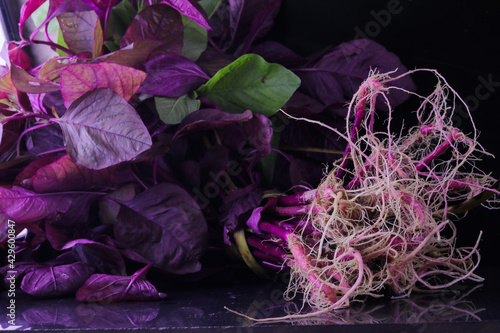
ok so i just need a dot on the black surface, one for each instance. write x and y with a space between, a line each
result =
458 38
470 307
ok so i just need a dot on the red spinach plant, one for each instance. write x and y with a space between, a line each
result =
154 132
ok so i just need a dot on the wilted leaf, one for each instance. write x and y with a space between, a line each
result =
173 110
101 129
164 225
157 22
57 280
250 83
191 9
172 75
78 79
112 288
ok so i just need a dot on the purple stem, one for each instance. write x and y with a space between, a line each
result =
301 198
274 229
266 247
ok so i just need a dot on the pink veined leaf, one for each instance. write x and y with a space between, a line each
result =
66 175
157 22
112 288
191 9
76 80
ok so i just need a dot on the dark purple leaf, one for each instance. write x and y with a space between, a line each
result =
303 105
104 257
108 208
211 61
66 175
164 225
76 80
191 9
30 84
205 119
259 132
237 204
101 7
261 24
172 75
244 12
112 288
101 129
276 52
59 234
337 75
157 22
82 32
33 167
56 7
44 139
56 280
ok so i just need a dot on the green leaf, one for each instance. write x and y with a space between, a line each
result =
210 6
195 39
251 83
173 110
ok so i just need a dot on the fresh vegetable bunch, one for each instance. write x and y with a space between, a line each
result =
158 128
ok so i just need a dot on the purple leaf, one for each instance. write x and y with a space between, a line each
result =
56 280
44 139
24 206
30 84
164 225
206 119
244 12
261 23
133 55
76 80
112 288
101 129
101 7
237 204
276 52
157 22
56 7
172 75
191 9
259 132
47 313
104 257
80 31
33 167
337 75
66 175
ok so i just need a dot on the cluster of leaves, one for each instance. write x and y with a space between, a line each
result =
153 128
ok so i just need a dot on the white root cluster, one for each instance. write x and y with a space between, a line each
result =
386 224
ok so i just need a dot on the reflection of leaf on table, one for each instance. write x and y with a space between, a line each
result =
117 315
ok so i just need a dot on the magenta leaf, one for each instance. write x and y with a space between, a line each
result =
66 175
56 280
101 129
157 22
24 206
191 9
56 7
165 226
112 288
78 79
337 75
101 6
79 31
172 75
30 84
134 55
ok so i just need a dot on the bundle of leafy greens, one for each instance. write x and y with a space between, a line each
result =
154 131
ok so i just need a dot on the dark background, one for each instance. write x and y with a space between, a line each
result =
458 38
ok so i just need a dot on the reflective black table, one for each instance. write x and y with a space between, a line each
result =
467 307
